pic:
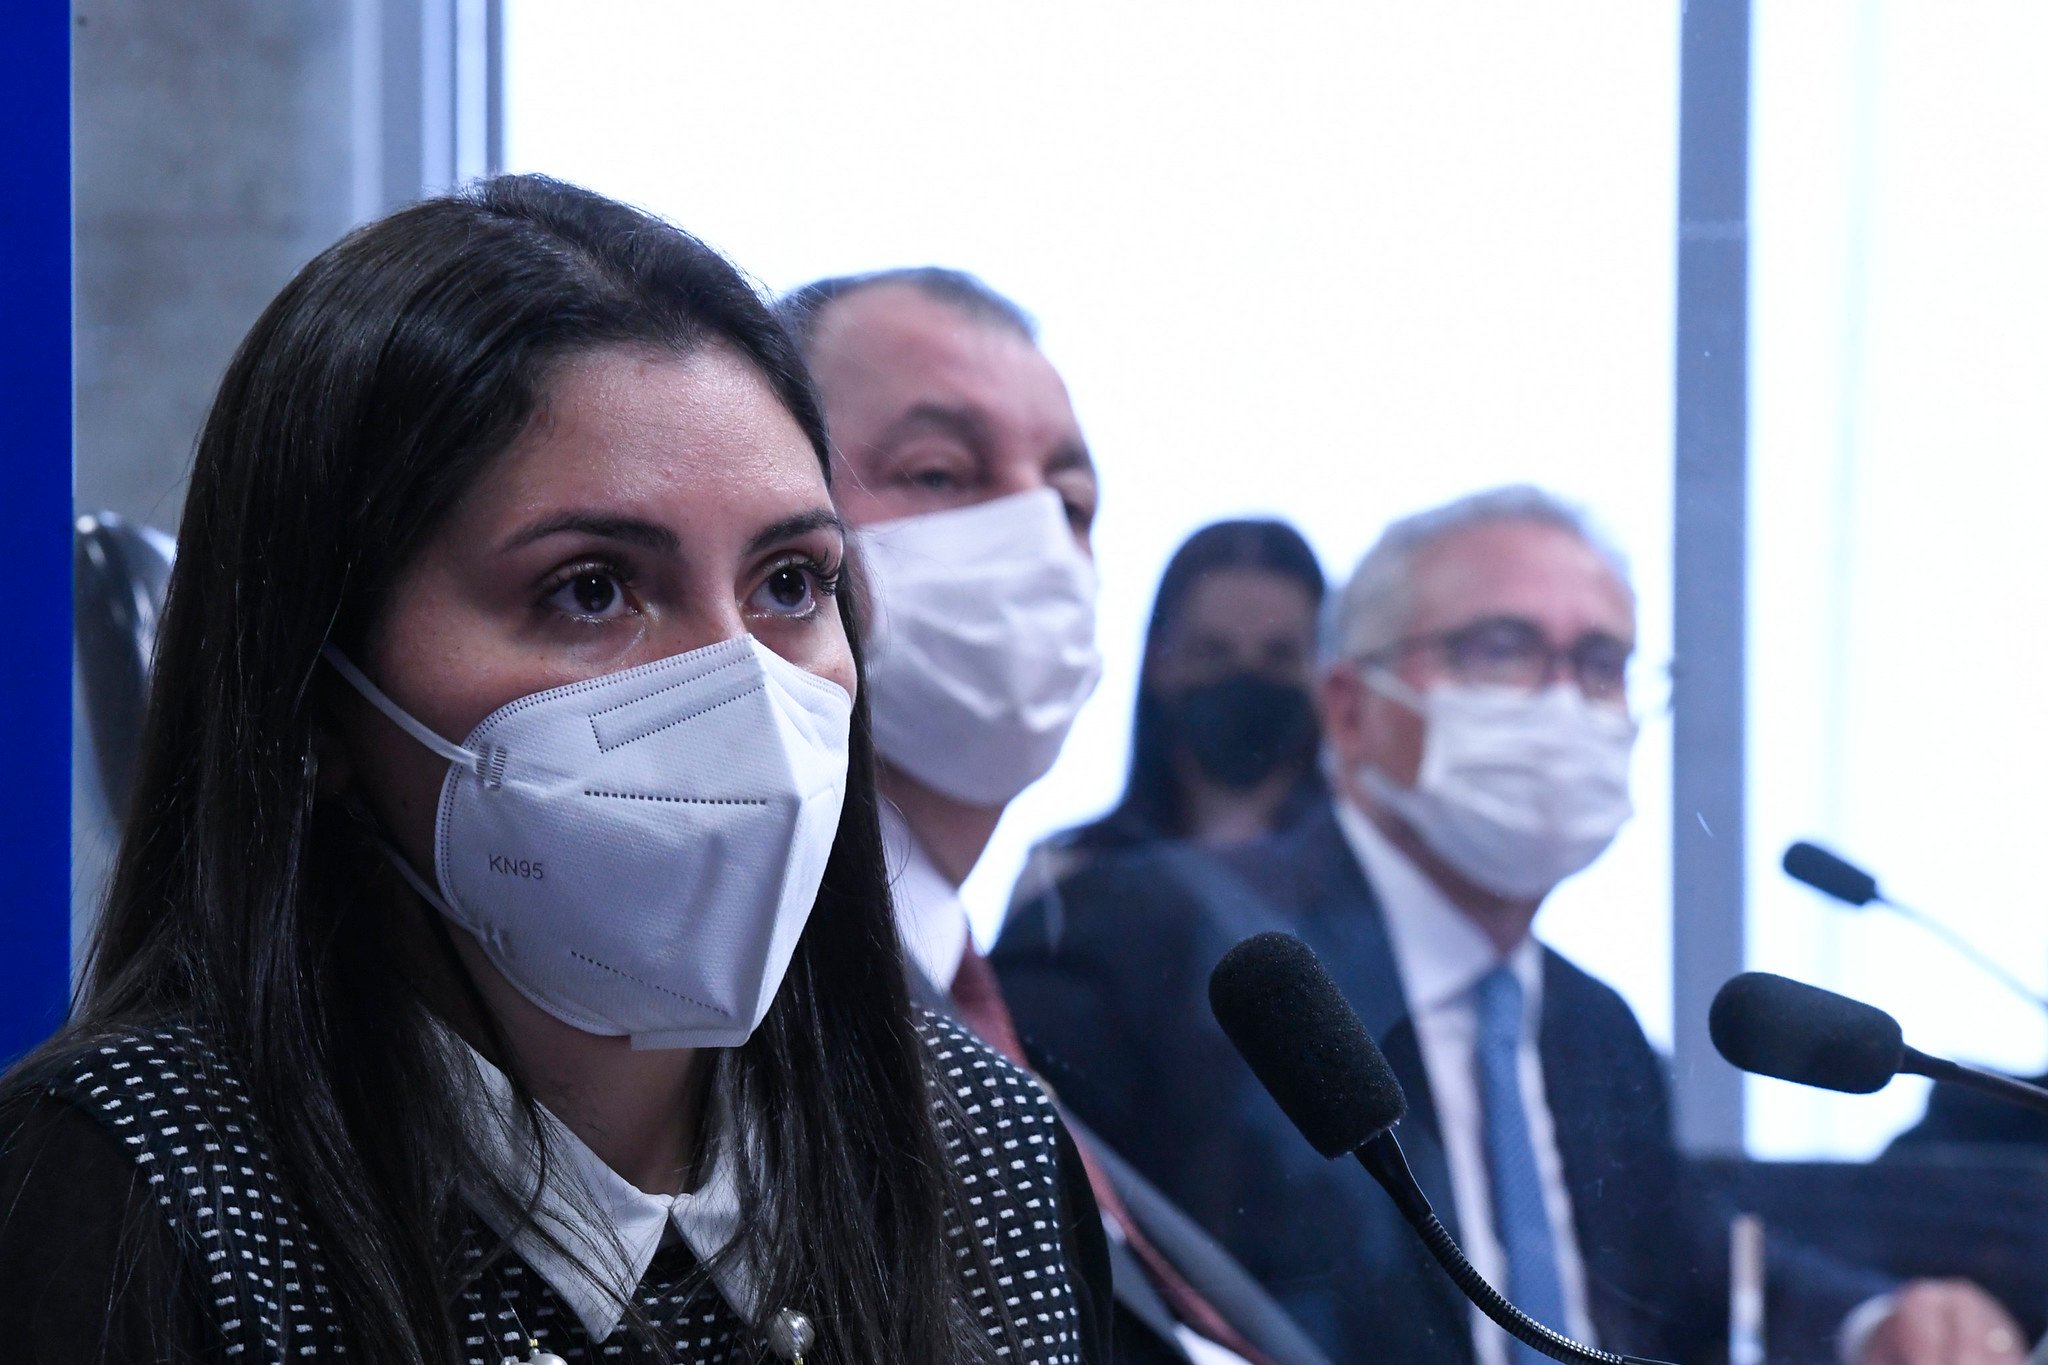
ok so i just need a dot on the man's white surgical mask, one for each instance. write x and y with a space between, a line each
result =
984 643
1516 790
638 853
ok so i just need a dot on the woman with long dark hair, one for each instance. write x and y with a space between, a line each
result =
498 961
1223 743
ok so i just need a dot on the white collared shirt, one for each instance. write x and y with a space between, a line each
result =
930 917
1440 955
610 1229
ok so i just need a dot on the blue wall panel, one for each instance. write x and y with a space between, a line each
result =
35 523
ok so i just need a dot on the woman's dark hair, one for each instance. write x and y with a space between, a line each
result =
1151 807
369 396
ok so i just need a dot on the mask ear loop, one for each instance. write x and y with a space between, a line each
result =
414 879
1377 677
454 753
397 714
1383 680
458 970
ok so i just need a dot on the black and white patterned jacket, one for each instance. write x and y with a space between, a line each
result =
177 1107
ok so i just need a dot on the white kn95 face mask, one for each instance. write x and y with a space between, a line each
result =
637 853
983 649
1517 791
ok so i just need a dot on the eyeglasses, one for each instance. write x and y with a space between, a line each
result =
1507 651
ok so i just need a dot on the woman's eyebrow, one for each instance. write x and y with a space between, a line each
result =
789 528
606 526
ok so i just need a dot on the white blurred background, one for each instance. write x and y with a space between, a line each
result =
1899 475
1339 262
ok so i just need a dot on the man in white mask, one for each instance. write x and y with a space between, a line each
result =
1478 729
961 465
960 462
1480 712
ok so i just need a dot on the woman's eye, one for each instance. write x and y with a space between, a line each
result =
594 594
793 590
786 592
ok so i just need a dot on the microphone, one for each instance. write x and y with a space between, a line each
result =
1833 875
1830 873
1307 1046
1774 1026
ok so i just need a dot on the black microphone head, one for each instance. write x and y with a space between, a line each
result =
1828 872
1305 1043
1775 1026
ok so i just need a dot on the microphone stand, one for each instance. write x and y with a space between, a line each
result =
1976 956
1384 1161
1940 1069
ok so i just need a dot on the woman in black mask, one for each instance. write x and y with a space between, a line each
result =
1223 747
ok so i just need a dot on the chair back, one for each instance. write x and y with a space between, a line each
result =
120 570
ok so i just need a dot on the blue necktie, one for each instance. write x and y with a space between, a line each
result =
1518 1212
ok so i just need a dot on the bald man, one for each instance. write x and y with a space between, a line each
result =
958 457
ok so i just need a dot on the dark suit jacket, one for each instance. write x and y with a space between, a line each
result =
1107 977
1143 1327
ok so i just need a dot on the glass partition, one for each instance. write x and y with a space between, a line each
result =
1899 295
1330 263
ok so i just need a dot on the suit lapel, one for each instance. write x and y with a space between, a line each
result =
1340 919
1202 1261
1585 1117
1134 1294
1421 1138
1570 1085
1343 924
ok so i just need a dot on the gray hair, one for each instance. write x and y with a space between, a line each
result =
1371 612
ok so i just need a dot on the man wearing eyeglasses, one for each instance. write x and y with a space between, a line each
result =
1479 711
1476 707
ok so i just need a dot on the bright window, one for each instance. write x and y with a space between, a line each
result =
1330 262
1899 428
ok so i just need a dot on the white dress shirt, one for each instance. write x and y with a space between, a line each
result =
610 1229
930 918
1440 955
932 922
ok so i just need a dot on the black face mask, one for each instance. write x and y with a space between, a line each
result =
1242 729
